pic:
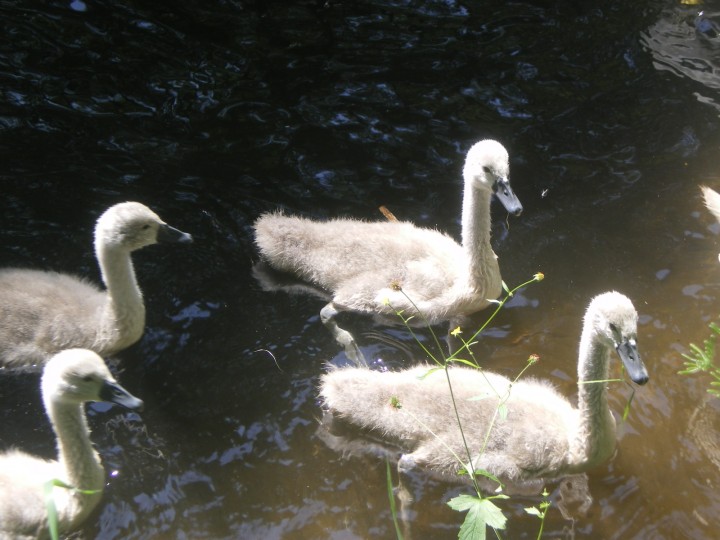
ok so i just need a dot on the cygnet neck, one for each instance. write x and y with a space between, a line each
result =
75 451
483 269
124 299
597 425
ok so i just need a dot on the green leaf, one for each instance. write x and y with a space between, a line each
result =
490 476
502 412
462 502
533 511
492 514
481 513
56 482
430 372
467 470
50 509
473 527
626 410
391 497
50 502
466 362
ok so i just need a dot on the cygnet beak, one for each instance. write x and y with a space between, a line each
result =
114 393
166 233
504 192
630 357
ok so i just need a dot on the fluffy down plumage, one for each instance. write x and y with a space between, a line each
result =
70 378
42 312
543 434
380 267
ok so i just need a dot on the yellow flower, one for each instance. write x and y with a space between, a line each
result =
456 332
539 276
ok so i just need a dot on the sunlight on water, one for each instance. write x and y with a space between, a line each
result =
215 113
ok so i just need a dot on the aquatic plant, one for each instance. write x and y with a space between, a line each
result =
540 511
481 510
703 360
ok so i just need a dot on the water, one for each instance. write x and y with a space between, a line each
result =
213 113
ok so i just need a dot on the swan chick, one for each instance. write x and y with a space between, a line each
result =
712 202
542 434
44 312
70 378
382 267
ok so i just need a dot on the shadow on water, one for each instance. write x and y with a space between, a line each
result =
212 113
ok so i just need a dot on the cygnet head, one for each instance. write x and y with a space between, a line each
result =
487 166
131 225
74 376
613 320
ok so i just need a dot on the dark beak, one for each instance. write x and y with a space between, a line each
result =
504 192
166 233
114 393
633 363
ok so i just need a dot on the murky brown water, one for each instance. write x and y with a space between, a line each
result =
213 113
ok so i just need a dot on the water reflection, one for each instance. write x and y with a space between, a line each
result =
685 42
215 113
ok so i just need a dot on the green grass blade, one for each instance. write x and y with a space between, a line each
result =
391 497
50 509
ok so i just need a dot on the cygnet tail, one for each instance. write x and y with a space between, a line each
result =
296 245
367 398
354 393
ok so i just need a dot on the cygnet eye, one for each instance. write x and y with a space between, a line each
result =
614 329
87 378
146 227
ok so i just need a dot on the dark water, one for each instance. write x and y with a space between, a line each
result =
214 112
